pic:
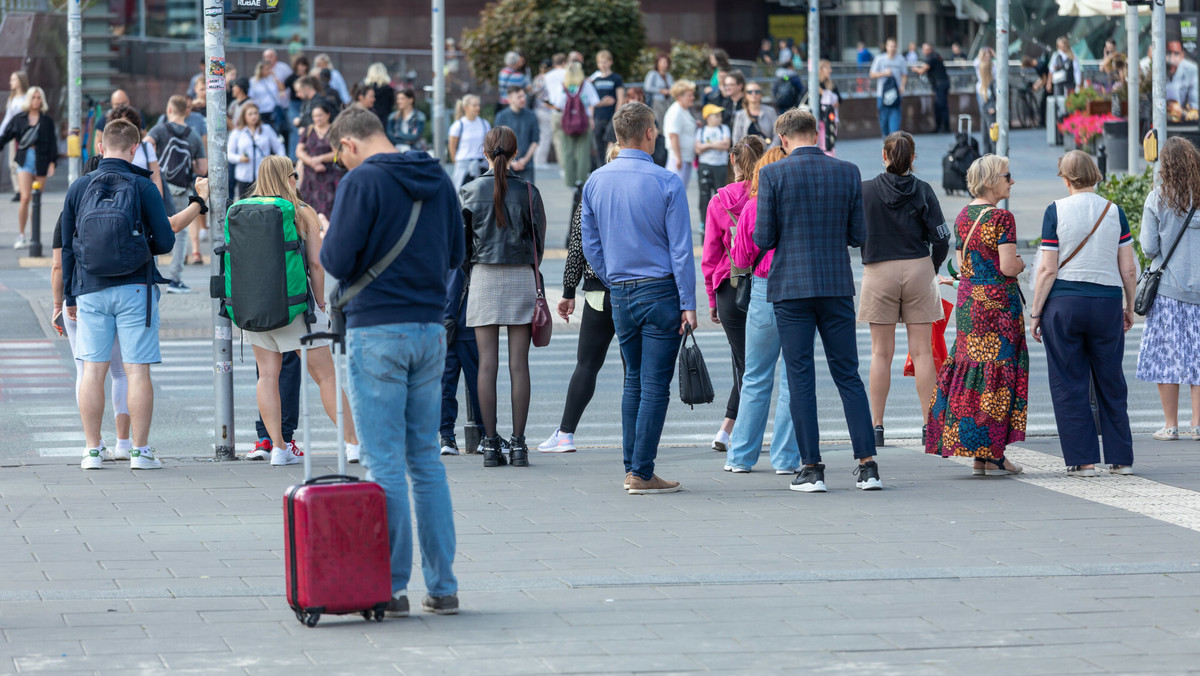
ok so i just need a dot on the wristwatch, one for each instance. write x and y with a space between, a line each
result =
196 199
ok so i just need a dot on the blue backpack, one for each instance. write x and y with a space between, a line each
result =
109 238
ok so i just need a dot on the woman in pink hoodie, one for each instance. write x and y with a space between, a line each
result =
717 266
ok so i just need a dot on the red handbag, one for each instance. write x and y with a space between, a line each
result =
543 325
939 341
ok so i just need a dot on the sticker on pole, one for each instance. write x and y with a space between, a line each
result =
223 333
223 367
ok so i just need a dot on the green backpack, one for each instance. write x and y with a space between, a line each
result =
263 283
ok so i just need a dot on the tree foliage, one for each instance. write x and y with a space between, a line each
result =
1129 191
540 28
688 61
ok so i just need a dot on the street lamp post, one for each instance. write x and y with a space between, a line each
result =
1133 86
439 76
1158 31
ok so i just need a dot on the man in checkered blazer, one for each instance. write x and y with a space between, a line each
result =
810 210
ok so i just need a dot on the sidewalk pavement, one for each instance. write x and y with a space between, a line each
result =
180 570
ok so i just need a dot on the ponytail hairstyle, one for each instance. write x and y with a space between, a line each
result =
500 145
745 155
900 151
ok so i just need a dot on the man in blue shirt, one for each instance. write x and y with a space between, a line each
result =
809 210
517 117
637 235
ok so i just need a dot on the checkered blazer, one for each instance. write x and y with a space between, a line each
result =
809 210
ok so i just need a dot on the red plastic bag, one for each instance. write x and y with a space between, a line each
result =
939 341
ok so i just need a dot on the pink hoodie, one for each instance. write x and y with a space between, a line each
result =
723 209
744 250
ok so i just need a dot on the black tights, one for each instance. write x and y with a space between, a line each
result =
733 321
487 338
596 331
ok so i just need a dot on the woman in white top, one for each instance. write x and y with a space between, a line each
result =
1065 73
248 145
266 91
680 128
18 85
466 142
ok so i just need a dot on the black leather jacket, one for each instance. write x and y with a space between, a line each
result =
512 244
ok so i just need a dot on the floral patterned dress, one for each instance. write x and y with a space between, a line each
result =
319 188
982 392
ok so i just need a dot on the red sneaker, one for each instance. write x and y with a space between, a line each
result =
262 450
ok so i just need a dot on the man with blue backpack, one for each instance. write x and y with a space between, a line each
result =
113 224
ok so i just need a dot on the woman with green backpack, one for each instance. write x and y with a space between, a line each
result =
276 186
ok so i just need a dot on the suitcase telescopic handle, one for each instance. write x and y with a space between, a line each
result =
309 338
331 479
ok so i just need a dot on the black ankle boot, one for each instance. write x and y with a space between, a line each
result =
493 456
518 452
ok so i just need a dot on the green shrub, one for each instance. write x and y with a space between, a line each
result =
687 61
1078 101
541 28
1129 191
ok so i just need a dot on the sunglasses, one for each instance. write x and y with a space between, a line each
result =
295 175
753 91
1007 177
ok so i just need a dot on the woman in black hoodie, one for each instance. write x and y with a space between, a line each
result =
907 240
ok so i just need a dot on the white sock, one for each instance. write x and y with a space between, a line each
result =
722 436
124 445
142 449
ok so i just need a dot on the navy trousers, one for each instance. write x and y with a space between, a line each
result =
833 317
289 397
1085 341
462 356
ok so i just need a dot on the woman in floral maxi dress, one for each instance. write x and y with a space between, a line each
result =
981 400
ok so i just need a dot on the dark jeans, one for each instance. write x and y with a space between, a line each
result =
599 131
647 318
289 397
462 356
799 321
1085 341
941 107
596 331
733 321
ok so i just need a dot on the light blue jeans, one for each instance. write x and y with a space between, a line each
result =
762 354
395 391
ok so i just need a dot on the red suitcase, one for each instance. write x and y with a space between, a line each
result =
336 540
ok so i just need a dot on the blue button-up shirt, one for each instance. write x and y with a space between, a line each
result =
635 224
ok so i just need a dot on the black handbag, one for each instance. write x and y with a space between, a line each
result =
695 387
28 138
1147 285
745 284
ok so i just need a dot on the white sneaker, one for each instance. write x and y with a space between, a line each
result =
203 234
93 459
286 456
721 442
353 453
737 470
20 242
559 442
121 452
1167 434
144 459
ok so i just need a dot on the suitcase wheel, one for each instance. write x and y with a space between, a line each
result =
376 614
308 619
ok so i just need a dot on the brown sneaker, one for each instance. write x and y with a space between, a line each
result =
639 486
628 478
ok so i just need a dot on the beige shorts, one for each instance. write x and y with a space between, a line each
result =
287 338
900 292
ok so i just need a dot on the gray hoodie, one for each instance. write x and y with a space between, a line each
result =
1160 227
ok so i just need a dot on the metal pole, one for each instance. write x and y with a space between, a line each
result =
1133 86
439 77
1158 32
74 82
814 58
218 132
1002 27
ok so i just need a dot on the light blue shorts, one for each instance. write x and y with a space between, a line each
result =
118 312
30 166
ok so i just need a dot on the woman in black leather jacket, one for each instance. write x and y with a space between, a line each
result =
506 231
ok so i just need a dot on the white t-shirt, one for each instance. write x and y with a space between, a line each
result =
470 137
709 134
895 64
144 155
680 121
15 105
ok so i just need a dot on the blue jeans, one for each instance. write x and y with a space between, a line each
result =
647 317
889 118
799 321
395 387
758 381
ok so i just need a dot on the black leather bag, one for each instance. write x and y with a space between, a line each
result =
695 387
1147 286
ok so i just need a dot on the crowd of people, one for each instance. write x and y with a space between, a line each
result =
352 164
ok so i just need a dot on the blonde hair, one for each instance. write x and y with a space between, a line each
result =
985 74
29 98
614 149
1079 169
772 155
1065 46
985 172
574 76
377 75
682 87
273 173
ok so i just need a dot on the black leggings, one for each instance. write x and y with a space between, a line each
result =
596 331
733 321
487 338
